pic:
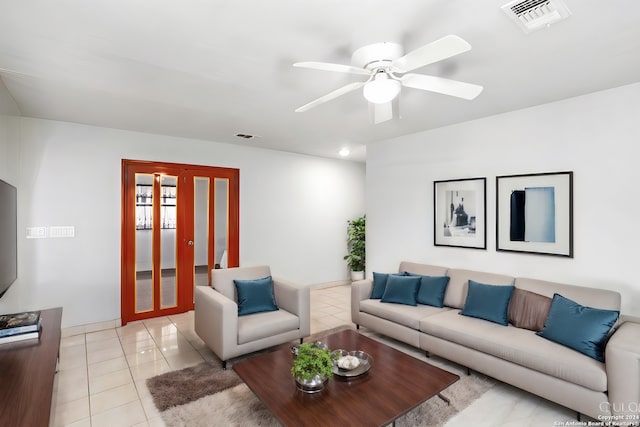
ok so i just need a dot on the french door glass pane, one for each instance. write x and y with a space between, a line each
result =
221 222
144 243
168 248
201 230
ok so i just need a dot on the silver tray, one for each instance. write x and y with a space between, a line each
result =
363 368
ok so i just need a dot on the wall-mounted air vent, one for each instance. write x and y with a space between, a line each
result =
531 15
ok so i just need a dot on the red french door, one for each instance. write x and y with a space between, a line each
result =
178 222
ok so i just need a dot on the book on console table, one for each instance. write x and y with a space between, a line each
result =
21 337
19 323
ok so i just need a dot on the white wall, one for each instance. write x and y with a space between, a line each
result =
9 135
293 211
597 136
8 105
9 138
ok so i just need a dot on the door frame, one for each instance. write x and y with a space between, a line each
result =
184 231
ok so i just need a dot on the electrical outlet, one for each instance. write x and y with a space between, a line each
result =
36 232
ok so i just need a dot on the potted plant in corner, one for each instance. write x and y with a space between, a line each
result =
356 240
312 366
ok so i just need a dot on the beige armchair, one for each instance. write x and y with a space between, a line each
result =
217 322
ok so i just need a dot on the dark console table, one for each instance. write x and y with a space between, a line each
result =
27 370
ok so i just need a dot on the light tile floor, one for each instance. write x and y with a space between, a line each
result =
102 376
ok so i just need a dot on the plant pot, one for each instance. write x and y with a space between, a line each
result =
357 275
314 385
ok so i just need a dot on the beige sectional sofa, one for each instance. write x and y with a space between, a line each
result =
604 391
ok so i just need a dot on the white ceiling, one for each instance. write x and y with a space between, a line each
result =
212 69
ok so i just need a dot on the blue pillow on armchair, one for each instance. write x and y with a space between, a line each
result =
255 296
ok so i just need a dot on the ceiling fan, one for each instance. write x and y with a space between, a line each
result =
388 69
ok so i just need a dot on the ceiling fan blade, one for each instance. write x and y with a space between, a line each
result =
440 85
438 50
331 95
379 113
327 66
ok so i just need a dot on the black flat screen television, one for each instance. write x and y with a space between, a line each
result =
8 236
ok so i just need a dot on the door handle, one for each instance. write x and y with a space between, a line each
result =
190 243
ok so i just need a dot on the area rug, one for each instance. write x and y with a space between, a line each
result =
207 395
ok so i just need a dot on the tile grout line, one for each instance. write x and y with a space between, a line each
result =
146 417
86 362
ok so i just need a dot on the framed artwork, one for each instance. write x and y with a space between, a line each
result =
460 213
534 213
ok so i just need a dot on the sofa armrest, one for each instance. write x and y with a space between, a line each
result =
622 356
628 318
360 291
296 299
216 320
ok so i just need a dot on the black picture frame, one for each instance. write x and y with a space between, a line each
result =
460 213
534 213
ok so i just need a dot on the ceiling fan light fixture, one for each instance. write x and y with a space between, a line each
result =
381 89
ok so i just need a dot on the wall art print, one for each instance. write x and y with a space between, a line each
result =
460 212
534 213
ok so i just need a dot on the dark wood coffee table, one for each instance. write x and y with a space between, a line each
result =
396 384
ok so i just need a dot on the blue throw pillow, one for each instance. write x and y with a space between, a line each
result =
488 302
379 285
255 296
581 328
401 289
432 289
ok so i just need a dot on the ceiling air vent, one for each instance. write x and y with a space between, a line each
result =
531 15
244 135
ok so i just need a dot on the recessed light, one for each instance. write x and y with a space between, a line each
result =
344 152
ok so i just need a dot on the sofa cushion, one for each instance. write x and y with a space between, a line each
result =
519 346
401 290
592 297
584 329
432 290
488 302
255 296
408 316
457 289
528 310
265 325
422 269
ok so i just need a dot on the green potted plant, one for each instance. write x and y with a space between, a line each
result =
312 366
356 258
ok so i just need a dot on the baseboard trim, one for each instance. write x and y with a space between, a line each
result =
91 327
330 284
111 324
